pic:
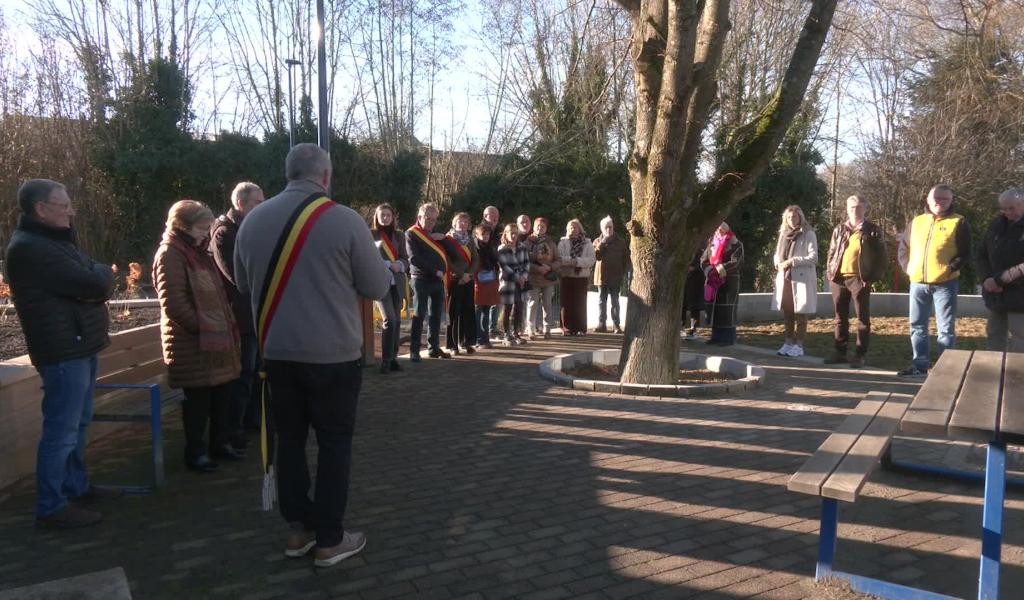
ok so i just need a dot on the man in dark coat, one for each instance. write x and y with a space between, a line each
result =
244 408
60 295
1000 263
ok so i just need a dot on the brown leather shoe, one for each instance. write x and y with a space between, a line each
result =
600 329
69 517
299 543
352 543
617 329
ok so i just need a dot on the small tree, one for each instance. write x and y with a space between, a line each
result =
677 50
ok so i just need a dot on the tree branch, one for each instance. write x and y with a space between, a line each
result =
759 140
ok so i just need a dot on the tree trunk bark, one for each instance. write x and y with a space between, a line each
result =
651 345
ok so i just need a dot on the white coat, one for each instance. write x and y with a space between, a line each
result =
803 273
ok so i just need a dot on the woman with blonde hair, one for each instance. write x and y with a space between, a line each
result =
796 278
509 286
390 242
199 333
576 253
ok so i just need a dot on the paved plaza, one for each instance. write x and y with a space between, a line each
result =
474 478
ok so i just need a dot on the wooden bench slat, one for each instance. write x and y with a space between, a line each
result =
1011 425
977 405
849 477
136 374
933 405
111 362
827 457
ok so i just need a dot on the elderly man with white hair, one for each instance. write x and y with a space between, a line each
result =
243 412
1000 264
612 253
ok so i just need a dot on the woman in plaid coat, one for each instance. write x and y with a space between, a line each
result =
510 289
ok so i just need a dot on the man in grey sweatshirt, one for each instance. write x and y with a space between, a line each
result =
312 347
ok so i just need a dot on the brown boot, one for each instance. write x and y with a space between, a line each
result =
69 517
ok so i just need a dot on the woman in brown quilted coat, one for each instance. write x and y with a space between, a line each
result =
200 337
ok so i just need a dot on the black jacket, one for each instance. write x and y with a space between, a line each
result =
59 293
1002 248
872 251
424 261
222 247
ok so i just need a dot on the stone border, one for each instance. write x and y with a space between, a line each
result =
750 375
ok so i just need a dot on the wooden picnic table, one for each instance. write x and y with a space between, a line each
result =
976 396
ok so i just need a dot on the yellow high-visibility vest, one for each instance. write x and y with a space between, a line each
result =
932 248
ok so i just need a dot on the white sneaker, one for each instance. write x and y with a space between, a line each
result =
785 350
796 350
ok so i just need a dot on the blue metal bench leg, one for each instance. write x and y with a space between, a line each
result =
992 522
827 538
157 435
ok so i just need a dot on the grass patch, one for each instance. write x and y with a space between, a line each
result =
889 347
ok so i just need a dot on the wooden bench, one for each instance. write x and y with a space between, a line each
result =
132 363
842 464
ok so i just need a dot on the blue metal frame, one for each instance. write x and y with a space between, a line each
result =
992 521
991 532
865 585
155 414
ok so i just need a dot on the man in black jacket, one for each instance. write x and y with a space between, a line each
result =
244 409
60 295
1000 262
429 269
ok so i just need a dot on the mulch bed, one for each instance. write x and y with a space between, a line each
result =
12 342
611 373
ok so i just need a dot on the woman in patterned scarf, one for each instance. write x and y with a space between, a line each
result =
462 257
576 253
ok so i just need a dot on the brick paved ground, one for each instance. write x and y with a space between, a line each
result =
474 478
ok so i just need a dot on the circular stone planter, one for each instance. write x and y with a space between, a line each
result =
748 375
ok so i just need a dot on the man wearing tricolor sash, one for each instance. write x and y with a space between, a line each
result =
306 291
428 258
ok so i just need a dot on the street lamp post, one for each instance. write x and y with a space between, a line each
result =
291 62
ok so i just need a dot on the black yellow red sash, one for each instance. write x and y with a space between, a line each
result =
463 250
389 247
286 254
431 243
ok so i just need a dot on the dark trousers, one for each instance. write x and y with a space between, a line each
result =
602 304
494 320
842 293
204 405
245 403
428 298
390 307
461 329
573 311
324 396
483 323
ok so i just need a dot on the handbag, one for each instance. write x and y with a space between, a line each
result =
551 276
486 276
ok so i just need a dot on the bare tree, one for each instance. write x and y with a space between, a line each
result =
677 51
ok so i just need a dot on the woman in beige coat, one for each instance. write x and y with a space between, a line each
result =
199 334
796 279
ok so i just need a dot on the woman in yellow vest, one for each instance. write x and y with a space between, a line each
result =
932 251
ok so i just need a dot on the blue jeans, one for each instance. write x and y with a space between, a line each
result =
67 410
428 298
923 297
483 324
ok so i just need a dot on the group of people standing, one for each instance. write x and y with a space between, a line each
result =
491 281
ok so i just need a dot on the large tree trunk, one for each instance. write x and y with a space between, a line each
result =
677 49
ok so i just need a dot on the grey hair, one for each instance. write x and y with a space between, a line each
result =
34 191
607 219
857 198
1011 195
425 207
306 161
942 187
240 195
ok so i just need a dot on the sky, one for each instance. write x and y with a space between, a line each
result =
460 112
